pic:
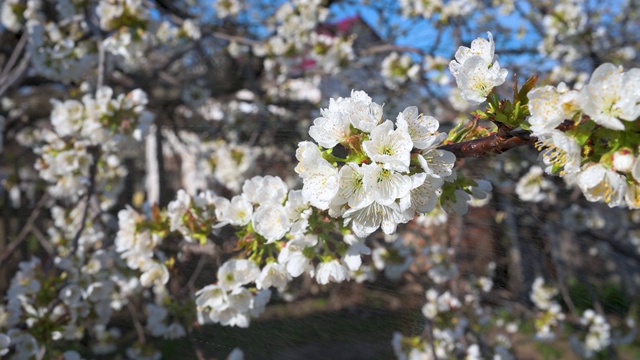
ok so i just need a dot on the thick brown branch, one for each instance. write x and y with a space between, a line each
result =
493 144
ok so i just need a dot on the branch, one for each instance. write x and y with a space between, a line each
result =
136 323
14 55
15 75
389 48
26 230
492 144
93 171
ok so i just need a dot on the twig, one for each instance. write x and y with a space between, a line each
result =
15 75
556 252
390 47
492 144
136 323
44 242
93 170
25 230
619 248
14 56
429 329
234 38
41 353
101 61
196 273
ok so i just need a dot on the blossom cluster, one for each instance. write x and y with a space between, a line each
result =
591 151
228 302
279 231
550 313
397 69
87 133
77 296
598 336
565 22
361 172
381 181
81 300
440 10
477 70
297 46
448 321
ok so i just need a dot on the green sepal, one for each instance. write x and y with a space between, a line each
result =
583 132
605 140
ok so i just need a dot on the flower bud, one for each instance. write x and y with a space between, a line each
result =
623 160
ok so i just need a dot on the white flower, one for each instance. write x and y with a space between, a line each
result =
226 8
364 114
459 204
352 189
237 272
352 258
541 295
437 163
482 190
71 295
385 185
334 127
174 331
422 129
423 196
67 117
26 345
273 274
530 187
560 153
476 79
191 29
107 12
549 107
332 271
240 299
368 219
635 171
394 261
632 198
263 189
271 221
320 178
5 342
298 210
599 335
398 69
600 184
475 70
308 155
484 49
293 257
236 212
177 208
390 147
155 319
211 296
612 95
154 273
236 354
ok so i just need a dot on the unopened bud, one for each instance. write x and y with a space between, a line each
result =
623 160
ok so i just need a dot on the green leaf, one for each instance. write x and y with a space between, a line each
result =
502 118
526 88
